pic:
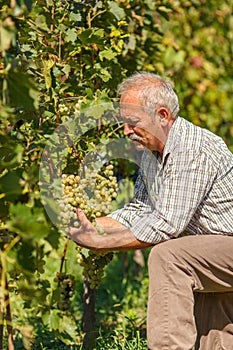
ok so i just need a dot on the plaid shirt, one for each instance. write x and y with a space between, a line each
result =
188 191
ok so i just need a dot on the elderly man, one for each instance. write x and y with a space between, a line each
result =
183 207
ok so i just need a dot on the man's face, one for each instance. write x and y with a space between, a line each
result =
139 126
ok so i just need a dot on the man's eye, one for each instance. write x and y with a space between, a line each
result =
130 122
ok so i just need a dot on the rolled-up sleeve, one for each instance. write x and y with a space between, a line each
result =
138 207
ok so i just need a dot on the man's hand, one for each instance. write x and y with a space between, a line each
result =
86 235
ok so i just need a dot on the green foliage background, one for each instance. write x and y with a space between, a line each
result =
60 55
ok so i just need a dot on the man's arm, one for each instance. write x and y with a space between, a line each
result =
109 225
87 236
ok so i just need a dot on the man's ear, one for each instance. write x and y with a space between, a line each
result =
163 113
164 116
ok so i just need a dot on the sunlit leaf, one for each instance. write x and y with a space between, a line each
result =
7 34
116 10
108 54
71 35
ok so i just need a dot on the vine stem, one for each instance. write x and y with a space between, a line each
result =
64 254
71 144
50 164
60 46
89 298
5 304
113 132
1 321
52 22
8 317
2 296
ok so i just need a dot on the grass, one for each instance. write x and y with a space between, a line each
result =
117 340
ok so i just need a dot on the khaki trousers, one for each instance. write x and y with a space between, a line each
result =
190 304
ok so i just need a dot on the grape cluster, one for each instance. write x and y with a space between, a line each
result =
93 266
66 286
93 193
63 108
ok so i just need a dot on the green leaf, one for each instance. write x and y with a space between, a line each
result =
49 2
131 44
25 257
75 17
21 7
71 35
164 11
11 154
117 11
7 34
4 209
89 93
68 325
97 109
92 36
41 22
108 54
104 74
21 90
28 222
48 64
9 184
52 319
99 32
66 69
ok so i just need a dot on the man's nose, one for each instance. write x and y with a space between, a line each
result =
128 129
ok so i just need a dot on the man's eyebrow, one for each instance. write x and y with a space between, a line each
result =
126 116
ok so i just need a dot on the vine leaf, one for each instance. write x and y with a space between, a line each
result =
29 223
24 95
7 33
71 35
117 11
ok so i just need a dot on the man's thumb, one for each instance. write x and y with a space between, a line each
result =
82 217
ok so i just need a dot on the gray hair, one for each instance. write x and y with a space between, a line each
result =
153 91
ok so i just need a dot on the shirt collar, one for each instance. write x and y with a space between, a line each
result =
172 137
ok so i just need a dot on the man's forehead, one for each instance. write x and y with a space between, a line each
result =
130 106
130 109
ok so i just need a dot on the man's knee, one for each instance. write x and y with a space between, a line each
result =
157 254
170 259
166 252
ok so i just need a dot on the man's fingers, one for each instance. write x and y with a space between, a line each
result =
82 217
73 230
